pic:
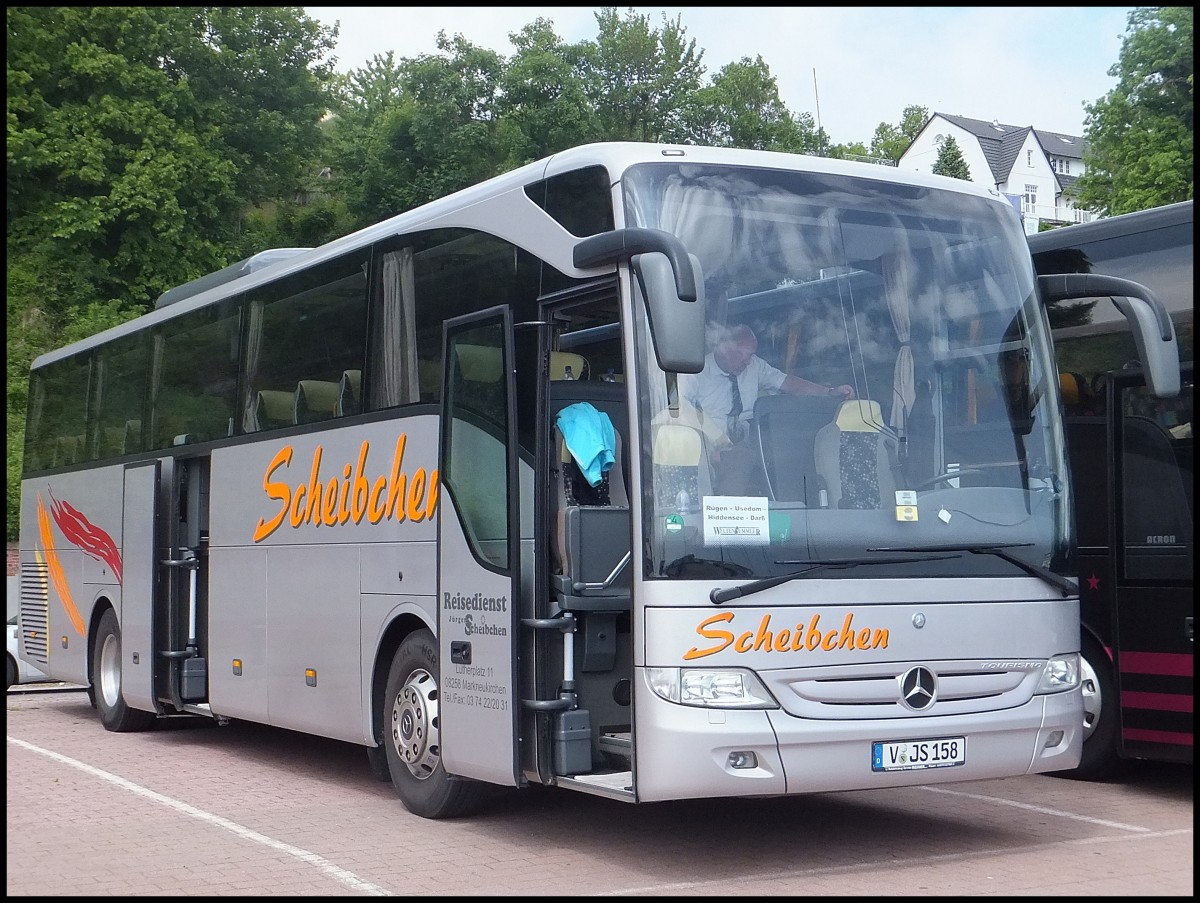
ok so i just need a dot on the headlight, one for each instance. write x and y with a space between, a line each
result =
1061 673
714 688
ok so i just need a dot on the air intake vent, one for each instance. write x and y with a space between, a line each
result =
875 691
35 611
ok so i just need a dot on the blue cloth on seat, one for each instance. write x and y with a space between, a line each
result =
590 438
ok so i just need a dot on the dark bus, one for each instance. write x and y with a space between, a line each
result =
1130 457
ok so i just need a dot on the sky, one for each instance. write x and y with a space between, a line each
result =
850 68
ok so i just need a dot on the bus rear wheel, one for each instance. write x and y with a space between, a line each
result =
412 734
115 715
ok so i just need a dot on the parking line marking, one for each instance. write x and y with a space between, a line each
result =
1103 822
338 874
779 876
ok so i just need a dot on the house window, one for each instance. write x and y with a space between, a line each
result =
1066 164
1029 158
1030 200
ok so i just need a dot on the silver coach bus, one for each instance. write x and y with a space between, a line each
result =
473 488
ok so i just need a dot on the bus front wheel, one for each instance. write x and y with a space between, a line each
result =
412 734
1101 759
115 715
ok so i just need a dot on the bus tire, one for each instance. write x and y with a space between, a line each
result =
411 734
115 715
1101 717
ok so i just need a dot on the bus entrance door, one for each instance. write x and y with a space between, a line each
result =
479 549
164 534
139 581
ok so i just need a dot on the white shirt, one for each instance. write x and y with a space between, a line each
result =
710 390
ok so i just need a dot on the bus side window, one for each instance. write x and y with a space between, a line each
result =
567 365
315 399
349 393
1156 502
272 409
304 335
133 437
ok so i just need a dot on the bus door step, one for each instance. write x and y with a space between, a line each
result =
617 744
616 785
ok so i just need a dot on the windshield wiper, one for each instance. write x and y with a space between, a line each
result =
721 596
1065 586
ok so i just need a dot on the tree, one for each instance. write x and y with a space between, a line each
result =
137 137
855 150
410 131
543 96
137 134
637 77
1139 135
741 107
950 161
891 141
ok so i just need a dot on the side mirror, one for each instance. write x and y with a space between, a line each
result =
671 283
1153 332
676 325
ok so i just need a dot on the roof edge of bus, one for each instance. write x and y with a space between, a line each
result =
1094 230
616 155
624 153
251 264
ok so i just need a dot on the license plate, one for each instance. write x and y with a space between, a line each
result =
910 755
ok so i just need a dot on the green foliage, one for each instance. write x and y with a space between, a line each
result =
289 224
1140 134
853 150
409 131
132 155
636 77
137 136
543 97
950 161
891 141
741 107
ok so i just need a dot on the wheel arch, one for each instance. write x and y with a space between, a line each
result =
102 604
1088 633
394 634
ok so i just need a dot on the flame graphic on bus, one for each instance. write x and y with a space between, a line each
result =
81 532
85 536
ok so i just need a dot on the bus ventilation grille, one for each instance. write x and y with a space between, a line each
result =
35 611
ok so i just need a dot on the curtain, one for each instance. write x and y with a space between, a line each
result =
394 379
898 289
254 313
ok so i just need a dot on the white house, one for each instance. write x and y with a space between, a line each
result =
1035 169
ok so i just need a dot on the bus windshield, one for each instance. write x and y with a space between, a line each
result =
878 379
